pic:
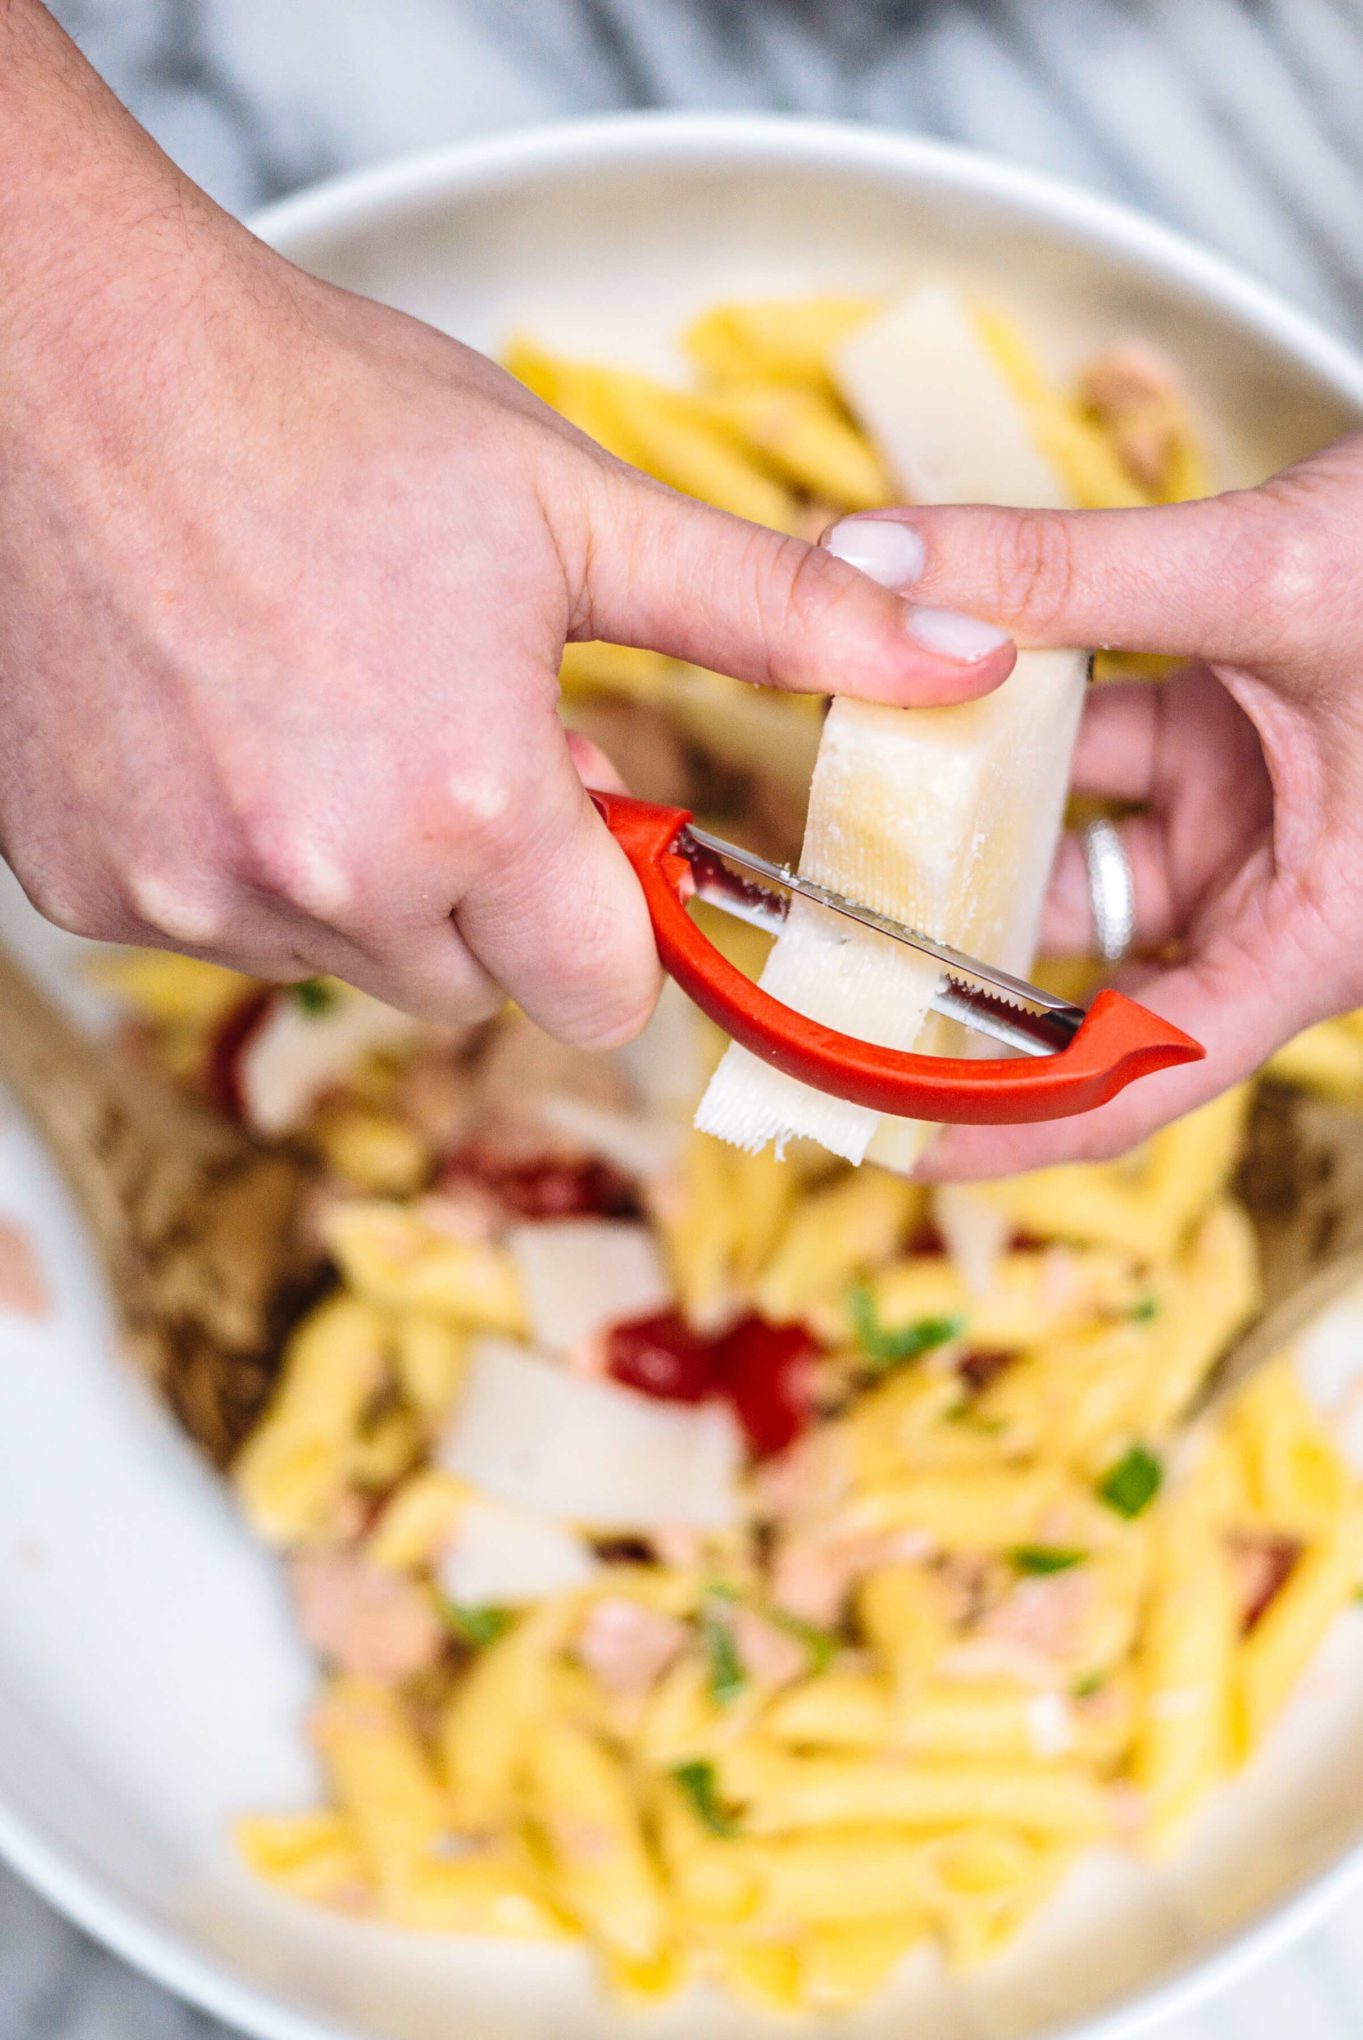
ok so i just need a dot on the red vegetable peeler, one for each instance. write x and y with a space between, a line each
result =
1065 1060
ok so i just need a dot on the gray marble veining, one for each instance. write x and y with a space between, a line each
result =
1236 119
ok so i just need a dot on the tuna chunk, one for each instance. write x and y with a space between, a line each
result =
812 1576
1134 392
363 1619
769 1655
628 1647
1034 1634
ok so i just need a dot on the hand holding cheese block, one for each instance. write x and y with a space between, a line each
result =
945 819
1248 766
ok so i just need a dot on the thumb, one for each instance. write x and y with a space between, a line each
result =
1244 579
554 913
664 571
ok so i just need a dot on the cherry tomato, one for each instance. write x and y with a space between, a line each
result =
662 1356
766 1373
762 1370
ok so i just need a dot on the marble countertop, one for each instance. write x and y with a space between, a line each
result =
1237 120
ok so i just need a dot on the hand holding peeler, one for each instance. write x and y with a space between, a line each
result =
1065 1059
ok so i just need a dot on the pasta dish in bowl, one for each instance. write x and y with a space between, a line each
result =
763 1568
799 1643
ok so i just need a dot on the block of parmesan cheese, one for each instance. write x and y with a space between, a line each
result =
945 818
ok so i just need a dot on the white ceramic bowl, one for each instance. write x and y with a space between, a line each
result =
150 1684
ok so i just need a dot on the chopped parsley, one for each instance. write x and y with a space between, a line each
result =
697 1781
1142 1312
892 1347
1042 1559
724 1667
1088 1685
1131 1484
821 1645
474 1624
314 995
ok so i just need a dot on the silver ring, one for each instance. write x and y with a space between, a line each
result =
1111 889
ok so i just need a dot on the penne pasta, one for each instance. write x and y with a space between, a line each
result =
1144 1203
842 1966
1080 452
983 1881
1036 1294
962 1511
418 1521
400 1261
485 1730
1275 1653
905 1619
382 1780
487 1891
428 1359
834 1235
807 438
781 1792
296 1465
1296 1479
783 339
580 1801
313 1856
1184 1660
840 1876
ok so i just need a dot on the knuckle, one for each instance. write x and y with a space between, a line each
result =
291 859
482 812
67 904
183 909
1036 570
1280 562
41 889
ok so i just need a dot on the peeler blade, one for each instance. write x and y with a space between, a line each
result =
989 1001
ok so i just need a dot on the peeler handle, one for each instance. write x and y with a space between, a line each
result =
1117 1042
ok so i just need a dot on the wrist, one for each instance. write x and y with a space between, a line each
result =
104 244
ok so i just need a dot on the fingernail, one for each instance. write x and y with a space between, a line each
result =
953 636
892 554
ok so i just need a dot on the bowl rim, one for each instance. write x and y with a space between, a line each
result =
168 1957
356 197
